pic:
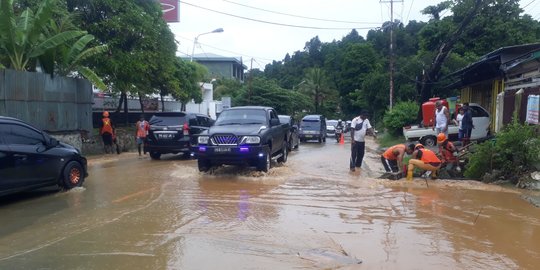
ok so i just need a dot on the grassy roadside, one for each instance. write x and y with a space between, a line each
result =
386 139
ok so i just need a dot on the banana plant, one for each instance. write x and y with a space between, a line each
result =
70 59
24 38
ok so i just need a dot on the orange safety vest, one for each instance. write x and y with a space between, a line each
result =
446 153
107 126
389 153
429 157
142 129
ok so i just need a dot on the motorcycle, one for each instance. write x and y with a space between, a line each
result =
339 131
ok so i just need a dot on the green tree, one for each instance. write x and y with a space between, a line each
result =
132 30
316 87
25 37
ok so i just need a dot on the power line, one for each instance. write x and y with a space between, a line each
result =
528 4
299 16
275 23
409 13
216 48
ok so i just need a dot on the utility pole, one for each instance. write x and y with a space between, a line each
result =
392 58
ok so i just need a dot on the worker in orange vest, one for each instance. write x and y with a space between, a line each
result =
106 132
424 159
141 133
447 150
392 158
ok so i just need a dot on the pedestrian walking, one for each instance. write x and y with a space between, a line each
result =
106 132
392 158
360 126
424 159
467 124
442 118
141 133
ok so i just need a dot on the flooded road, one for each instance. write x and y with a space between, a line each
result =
308 214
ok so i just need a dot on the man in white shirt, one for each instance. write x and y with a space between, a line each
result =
442 118
359 127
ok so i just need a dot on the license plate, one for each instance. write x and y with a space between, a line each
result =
308 136
165 136
222 150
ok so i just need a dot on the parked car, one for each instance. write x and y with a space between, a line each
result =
249 136
331 128
173 133
293 141
428 136
31 159
313 127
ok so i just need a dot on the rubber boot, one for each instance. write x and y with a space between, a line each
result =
409 175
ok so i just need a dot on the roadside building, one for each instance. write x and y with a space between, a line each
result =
503 82
221 67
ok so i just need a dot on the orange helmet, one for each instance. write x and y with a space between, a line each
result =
105 114
418 146
441 138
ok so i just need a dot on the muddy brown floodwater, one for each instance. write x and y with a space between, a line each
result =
308 214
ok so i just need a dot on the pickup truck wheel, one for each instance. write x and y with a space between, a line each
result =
155 155
264 162
284 154
290 145
429 141
204 165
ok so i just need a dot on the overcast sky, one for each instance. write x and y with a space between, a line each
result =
249 38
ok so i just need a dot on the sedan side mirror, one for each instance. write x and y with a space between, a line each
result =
274 122
53 143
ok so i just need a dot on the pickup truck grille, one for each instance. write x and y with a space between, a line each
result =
225 140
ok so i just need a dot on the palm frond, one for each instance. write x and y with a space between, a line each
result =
41 17
92 77
77 48
90 52
25 22
55 41
7 24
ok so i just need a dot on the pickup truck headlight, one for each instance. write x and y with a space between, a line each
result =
251 140
203 139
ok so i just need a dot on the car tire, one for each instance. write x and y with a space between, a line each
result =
155 155
204 165
186 155
72 175
289 145
319 140
264 164
429 141
284 154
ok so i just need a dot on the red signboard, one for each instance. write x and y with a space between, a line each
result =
171 10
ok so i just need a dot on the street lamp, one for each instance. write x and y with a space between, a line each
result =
219 30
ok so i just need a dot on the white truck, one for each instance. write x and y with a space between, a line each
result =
428 137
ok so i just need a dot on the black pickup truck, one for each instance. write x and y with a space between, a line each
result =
250 136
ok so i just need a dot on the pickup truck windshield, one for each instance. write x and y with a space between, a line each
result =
241 116
310 124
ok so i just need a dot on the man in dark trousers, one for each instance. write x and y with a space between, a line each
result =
360 126
467 124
